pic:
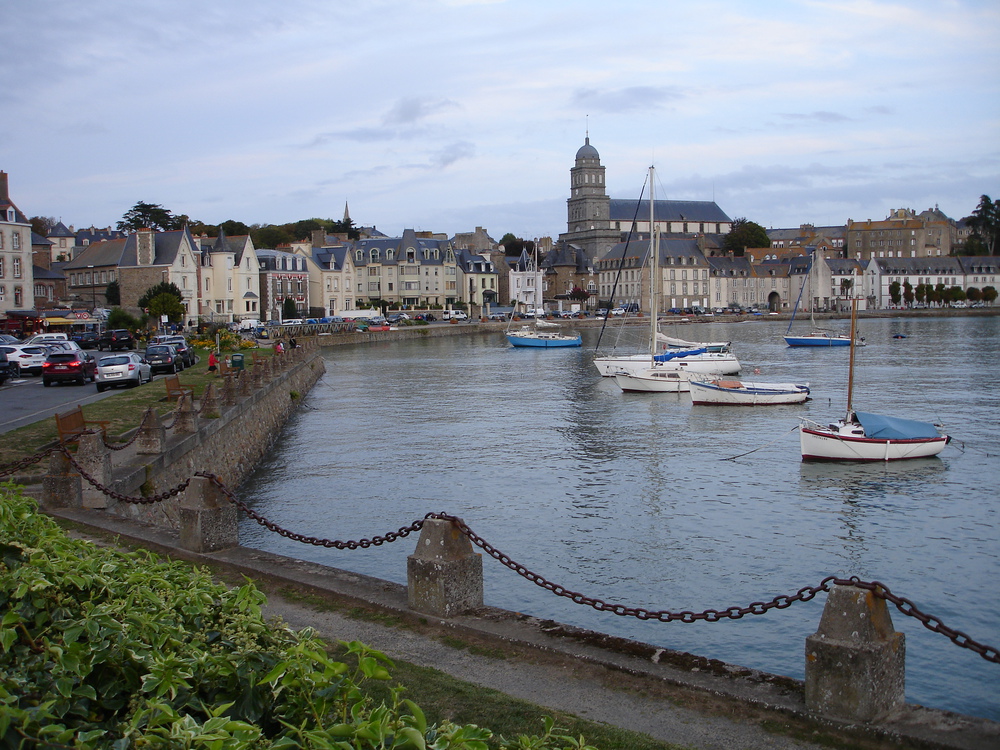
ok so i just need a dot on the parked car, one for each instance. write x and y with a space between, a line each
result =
6 371
397 318
128 369
69 367
293 322
86 339
118 338
183 348
6 338
164 358
25 359
42 338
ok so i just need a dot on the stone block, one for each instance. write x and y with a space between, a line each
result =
207 520
855 662
444 575
61 487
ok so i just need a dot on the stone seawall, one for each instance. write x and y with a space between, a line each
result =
229 445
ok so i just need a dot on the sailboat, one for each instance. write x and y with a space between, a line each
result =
862 436
816 337
667 372
540 333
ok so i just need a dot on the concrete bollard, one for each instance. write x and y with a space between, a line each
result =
62 486
244 383
444 576
208 521
95 459
209 401
152 436
228 391
185 418
855 661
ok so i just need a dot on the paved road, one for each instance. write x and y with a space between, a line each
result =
24 400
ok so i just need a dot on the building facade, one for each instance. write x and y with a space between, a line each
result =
16 280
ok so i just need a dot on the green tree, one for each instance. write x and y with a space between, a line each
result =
113 294
149 216
989 295
920 293
974 294
744 234
234 228
42 224
288 309
270 236
118 318
164 287
908 295
985 222
167 304
514 246
894 292
345 226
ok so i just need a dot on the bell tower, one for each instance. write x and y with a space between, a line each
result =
588 209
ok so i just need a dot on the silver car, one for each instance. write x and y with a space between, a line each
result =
127 369
27 359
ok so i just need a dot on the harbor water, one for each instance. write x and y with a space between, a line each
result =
647 501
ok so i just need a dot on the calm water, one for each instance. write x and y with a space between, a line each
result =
636 499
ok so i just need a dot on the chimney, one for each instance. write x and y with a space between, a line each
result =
144 247
4 197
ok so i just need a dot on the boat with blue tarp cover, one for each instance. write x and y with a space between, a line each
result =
863 436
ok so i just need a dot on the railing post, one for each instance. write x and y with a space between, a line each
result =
61 487
209 401
95 459
444 576
185 418
152 436
208 521
855 661
228 390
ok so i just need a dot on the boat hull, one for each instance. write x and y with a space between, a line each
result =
737 393
654 380
711 363
826 445
818 340
544 340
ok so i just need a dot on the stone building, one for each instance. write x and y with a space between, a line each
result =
903 234
283 275
16 281
230 279
414 270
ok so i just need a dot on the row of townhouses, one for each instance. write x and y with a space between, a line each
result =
602 258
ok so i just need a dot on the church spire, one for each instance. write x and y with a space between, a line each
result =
347 214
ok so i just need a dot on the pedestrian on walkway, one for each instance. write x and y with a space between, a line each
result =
213 362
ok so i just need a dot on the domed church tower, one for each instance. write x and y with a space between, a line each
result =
589 207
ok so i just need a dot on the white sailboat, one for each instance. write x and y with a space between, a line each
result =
540 333
720 392
656 373
816 337
862 436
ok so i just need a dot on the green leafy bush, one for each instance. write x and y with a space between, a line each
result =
102 648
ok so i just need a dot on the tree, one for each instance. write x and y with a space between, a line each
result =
514 246
164 287
270 236
234 228
167 304
347 227
974 294
989 295
149 216
744 234
894 292
578 294
113 294
985 222
118 318
920 293
42 224
908 295
288 309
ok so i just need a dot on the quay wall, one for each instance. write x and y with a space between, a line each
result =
229 445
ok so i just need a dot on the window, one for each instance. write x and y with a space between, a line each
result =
2 270
17 267
18 296
16 241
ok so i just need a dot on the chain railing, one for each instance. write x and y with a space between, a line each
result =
783 601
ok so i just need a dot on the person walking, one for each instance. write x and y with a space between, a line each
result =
278 348
213 362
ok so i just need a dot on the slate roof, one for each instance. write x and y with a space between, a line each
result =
92 235
6 202
724 266
672 249
105 253
37 239
622 209
980 263
919 266
399 246
166 246
566 254
46 273
60 230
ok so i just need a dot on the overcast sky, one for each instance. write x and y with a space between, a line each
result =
445 115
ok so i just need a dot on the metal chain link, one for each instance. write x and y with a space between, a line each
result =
804 594
375 541
783 601
123 446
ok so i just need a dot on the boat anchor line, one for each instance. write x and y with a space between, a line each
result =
804 594
759 447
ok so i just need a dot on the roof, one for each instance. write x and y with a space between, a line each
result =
46 273
106 253
920 266
586 151
60 230
623 209
37 239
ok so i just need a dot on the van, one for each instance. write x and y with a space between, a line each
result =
249 324
454 315
41 338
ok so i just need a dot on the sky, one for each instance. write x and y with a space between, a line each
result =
447 115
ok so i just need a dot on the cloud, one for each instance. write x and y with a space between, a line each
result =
825 117
411 110
628 99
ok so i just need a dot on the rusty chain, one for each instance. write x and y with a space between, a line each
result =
375 541
123 446
783 601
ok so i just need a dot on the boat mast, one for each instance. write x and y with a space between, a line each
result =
850 370
654 251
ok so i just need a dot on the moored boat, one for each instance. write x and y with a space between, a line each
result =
529 336
746 393
653 380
